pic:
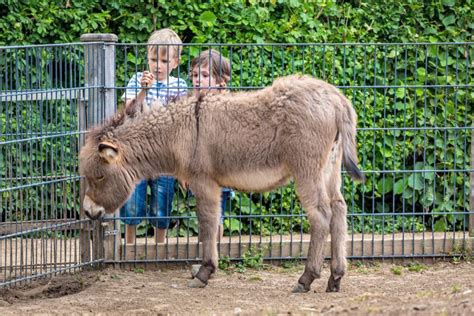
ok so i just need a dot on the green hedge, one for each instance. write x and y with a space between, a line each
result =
357 68
41 21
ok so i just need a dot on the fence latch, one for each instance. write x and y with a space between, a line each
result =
110 232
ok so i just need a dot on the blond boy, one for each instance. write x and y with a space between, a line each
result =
145 88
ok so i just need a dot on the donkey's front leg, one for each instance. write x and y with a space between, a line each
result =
207 194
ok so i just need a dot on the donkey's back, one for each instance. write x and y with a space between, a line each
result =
257 141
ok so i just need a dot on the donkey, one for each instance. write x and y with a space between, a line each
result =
299 128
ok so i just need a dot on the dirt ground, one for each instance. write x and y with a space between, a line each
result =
438 289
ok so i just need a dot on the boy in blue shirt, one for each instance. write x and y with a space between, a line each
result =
210 73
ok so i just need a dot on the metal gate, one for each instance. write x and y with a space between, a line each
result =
48 98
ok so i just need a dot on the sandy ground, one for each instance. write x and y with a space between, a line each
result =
438 289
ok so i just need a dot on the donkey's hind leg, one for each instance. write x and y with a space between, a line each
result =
313 197
338 225
338 228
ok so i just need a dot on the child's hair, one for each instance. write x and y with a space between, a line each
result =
219 66
164 37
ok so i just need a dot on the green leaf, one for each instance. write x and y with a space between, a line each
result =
428 175
415 181
232 224
407 193
400 106
432 49
399 186
385 185
440 226
208 16
400 92
428 197
421 72
449 3
450 19
133 59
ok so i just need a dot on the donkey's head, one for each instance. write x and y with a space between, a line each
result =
107 176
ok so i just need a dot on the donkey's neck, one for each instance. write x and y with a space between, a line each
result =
147 143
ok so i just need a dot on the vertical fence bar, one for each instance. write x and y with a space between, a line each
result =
99 73
471 208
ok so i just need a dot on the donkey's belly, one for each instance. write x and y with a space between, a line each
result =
256 180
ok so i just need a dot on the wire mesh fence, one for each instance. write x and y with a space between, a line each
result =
415 127
414 103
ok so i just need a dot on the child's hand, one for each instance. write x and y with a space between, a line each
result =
147 80
184 184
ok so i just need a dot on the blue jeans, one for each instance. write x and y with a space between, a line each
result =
161 203
226 196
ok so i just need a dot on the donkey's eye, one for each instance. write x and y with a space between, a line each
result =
99 178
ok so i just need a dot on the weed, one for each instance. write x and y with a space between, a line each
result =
255 278
253 258
357 264
416 267
461 252
376 265
291 264
456 260
456 288
425 294
138 270
397 270
362 270
224 263
374 310
115 277
362 298
240 268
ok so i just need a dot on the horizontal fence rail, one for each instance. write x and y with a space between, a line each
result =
415 133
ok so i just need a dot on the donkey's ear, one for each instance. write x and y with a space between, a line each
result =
108 151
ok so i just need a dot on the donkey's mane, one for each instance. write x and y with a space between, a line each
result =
118 119
124 115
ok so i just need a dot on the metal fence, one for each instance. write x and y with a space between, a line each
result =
415 134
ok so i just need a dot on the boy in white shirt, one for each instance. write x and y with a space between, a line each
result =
164 47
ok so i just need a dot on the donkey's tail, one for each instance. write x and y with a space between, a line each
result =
346 125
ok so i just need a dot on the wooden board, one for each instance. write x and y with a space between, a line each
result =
374 246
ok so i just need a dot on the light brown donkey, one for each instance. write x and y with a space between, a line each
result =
300 128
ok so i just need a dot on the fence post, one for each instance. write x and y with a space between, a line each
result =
99 102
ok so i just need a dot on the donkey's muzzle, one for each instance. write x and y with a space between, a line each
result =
92 210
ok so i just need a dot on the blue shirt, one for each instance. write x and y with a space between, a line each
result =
163 91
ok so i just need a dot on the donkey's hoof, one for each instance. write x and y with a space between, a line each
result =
333 285
196 283
332 289
195 269
299 288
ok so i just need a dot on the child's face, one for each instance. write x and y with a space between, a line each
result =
162 64
203 78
